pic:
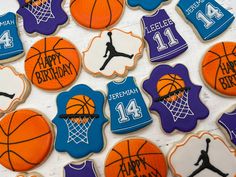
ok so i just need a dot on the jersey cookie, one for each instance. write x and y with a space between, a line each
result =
208 17
145 4
113 53
14 89
127 107
32 174
42 16
96 14
219 68
163 40
52 63
202 155
175 98
135 157
80 121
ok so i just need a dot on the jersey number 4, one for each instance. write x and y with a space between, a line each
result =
131 109
6 40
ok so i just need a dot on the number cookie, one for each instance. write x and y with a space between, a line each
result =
145 4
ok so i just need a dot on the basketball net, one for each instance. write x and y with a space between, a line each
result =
179 108
41 12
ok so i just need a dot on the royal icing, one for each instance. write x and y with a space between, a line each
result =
208 17
80 121
11 47
146 4
163 40
113 53
42 16
175 98
32 174
202 155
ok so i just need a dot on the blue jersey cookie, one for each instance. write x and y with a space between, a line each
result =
146 4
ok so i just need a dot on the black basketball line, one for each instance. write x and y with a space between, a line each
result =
72 2
175 76
83 102
120 3
172 85
86 104
217 70
73 106
110 13
3 131
59 40
219 57
170 80
233 50
89 103
31 163
130 158
232 67
121 160
81 108
31 78
91 15
166 86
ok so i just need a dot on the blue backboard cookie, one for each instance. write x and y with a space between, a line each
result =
148 5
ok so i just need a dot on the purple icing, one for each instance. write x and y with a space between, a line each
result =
197 110
44 23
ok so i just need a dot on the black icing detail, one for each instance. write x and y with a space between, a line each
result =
81 116
11 96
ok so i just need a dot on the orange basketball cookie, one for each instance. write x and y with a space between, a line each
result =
26 139
219 68
135 157
96 14
52 63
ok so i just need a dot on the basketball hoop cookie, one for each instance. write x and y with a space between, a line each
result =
135 157
113 53
202 154
14 89
11 47
175 98
96 14
80 121
52 63
146 5
32 174
26 140
219 68
42 16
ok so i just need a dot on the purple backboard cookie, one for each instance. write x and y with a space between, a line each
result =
175 98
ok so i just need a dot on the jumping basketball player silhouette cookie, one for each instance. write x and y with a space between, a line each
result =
145 4
80 121
42 16
113 53
175 98
201 155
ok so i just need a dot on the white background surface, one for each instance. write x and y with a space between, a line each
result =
46 101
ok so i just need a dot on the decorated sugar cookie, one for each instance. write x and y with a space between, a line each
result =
227 123
175 98
163 40
219 68
14 89
145 4
127 107
80 121
42 16
32 174
208 17
113 53
52 63
135 157
202 155
26 139
11 47
84 169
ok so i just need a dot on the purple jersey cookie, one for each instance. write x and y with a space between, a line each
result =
162 37
175 98
42 16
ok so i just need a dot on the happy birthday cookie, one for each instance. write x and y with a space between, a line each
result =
202 155
14 89
80 121
175 98
135 157
96 14
218 68
11 47
42 16
163 40
31 174
145 4
26 140
52 63
113 53
208 17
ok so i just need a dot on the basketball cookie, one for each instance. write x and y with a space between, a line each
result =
32 174
135 157
99 14
84 169
52 63
227 123
14 89
163 40
218 68
208 17
202 155
80 122
175 98
22 135
113 53
42 16
11 47
128 111
147 5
